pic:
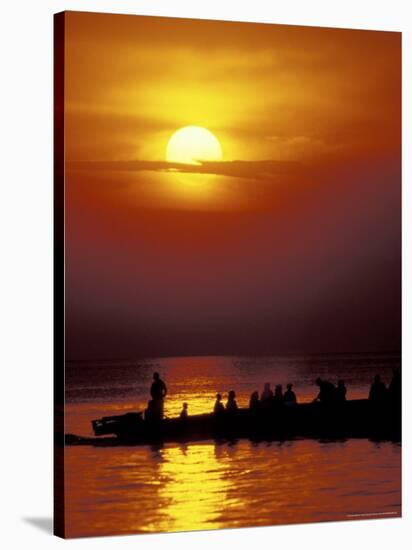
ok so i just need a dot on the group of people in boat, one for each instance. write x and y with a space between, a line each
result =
269 398
328 394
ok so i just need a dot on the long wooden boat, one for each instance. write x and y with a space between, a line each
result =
356 418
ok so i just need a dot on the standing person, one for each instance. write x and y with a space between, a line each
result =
341 391
158 391
150 412
289 397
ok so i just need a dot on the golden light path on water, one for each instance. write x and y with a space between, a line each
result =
195 486
211 486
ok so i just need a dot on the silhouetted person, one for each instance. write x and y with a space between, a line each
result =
289 397
341 391
184 413
158 391
254 402
278 397
150 412
378 391
395 402
395 388
327 392
266 398
231 405
267 393
219 408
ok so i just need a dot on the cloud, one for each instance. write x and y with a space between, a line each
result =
261 169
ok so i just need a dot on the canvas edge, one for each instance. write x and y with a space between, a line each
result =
59 20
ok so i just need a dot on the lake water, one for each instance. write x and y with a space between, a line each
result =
208 485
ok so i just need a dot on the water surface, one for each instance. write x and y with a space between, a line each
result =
207 485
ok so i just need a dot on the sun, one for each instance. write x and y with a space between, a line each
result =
192 145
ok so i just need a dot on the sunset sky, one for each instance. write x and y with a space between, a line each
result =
289 242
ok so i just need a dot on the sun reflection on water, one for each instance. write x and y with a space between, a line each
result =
194 486
215 485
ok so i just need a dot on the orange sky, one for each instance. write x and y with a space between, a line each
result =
287 94
309 123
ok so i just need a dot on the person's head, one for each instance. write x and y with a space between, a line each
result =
218 397
278 388
289 387
318 381
156 376
232 394
341 383
185 406
377 379
267 386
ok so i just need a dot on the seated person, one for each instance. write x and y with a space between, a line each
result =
341 391
231 405
184 413
395 388
327 392
254 401
378 391
267 393
289 397
219 408
278 397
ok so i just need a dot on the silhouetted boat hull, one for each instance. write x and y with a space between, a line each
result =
357 418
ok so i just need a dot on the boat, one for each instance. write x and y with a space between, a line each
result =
358 418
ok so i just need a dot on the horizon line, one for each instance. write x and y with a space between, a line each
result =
244 355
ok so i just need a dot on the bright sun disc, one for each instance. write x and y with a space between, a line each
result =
192 145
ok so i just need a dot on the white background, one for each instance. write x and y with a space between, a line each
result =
26 270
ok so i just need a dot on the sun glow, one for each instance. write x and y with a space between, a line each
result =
192 145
